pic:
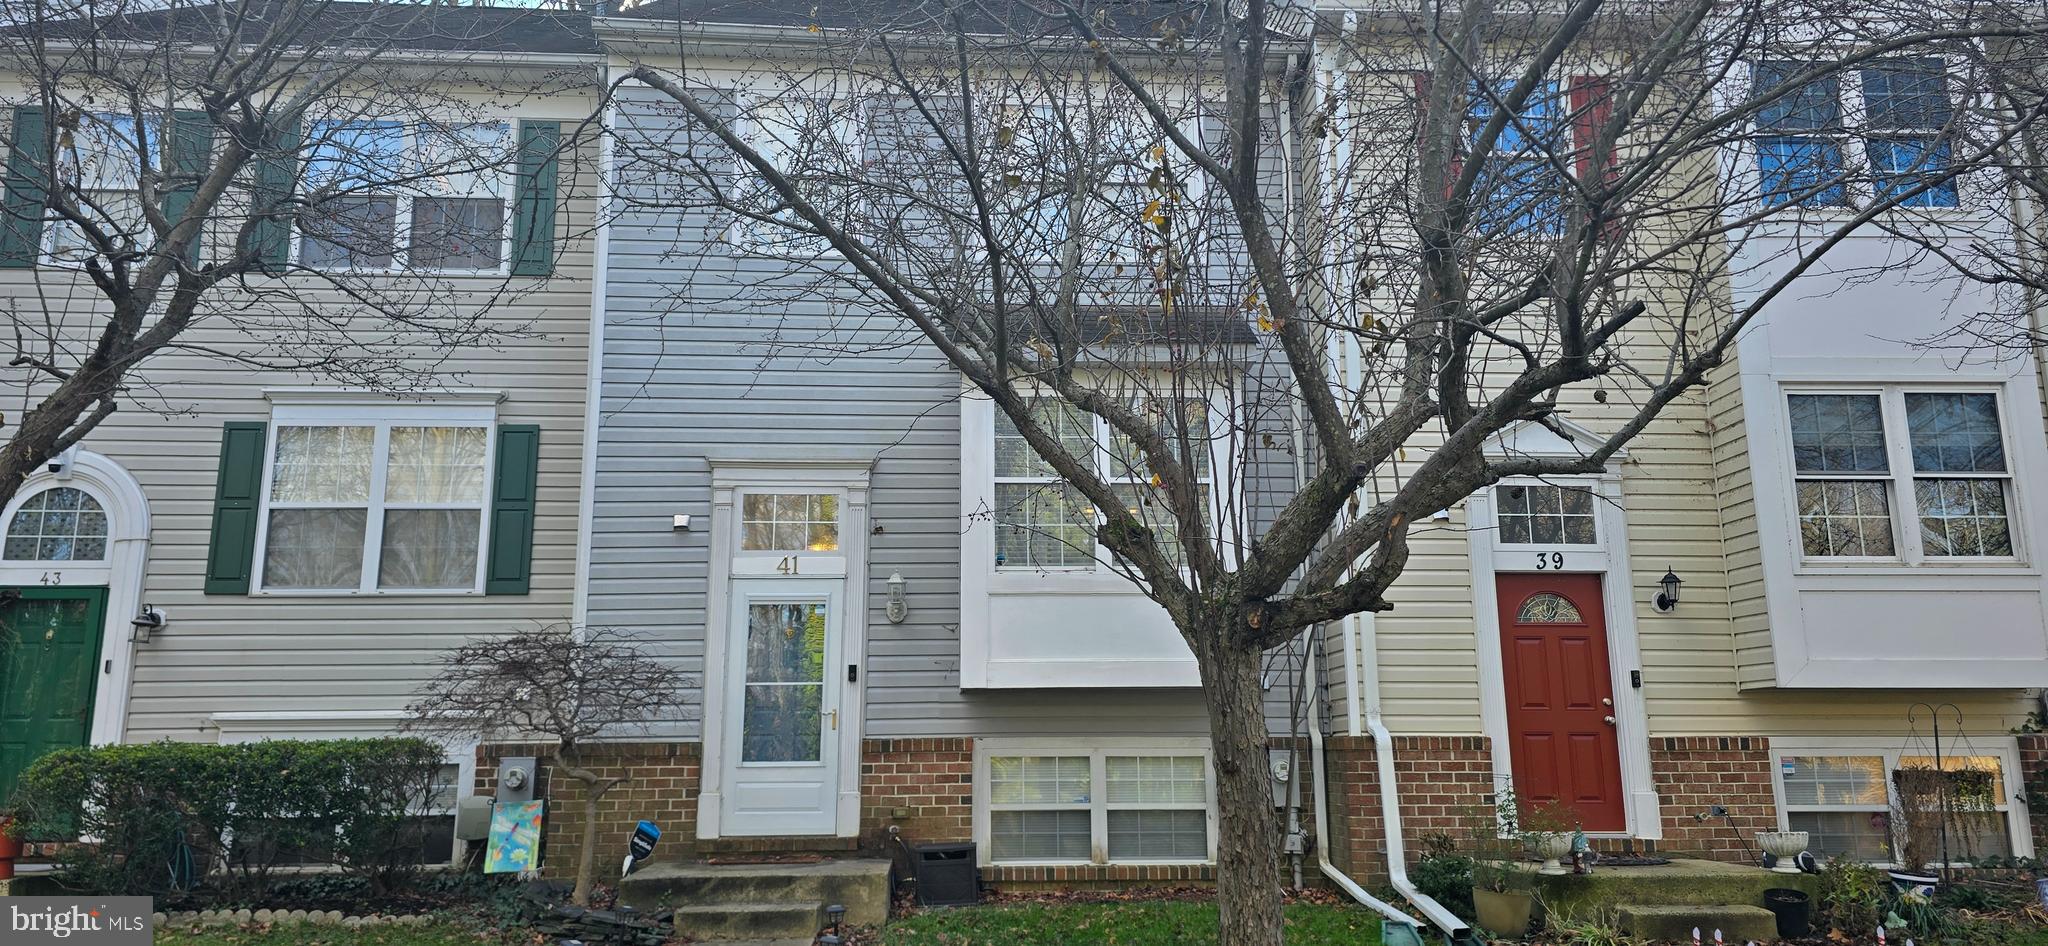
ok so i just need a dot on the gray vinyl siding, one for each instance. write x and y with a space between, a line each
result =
704 357
333 653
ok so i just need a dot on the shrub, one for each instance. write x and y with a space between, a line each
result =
161 816
1852 895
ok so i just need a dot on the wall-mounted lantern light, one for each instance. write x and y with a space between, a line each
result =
898 608
1667 600
145 622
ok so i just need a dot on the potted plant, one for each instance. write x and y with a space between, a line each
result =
1784 847
1503 894
1548 829
10 846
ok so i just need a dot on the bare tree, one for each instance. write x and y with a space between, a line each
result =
564 687
1401 234
228 179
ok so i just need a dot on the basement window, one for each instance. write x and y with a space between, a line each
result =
1112 804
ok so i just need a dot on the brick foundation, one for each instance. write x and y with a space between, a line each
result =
923 786
663 788
1445 785
1695 773
2034 776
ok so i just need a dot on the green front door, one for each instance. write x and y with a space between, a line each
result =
49 652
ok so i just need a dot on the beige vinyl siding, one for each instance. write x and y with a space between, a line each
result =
348 653
1747 609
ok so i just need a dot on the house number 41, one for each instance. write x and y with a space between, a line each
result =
1549 561
787 566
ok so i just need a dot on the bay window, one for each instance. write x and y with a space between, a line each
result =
1056 802
1042 522
389 195
356 501
1900 474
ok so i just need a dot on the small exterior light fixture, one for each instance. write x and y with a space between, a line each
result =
1667 600
835 915
146 621
898 608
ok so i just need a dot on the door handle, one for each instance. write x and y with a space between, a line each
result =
835 719
1609 720
1606 701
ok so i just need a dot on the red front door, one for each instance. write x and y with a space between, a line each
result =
1560 697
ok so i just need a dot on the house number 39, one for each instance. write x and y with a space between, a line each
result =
1549 561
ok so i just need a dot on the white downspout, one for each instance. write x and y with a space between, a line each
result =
1338 877
1390 799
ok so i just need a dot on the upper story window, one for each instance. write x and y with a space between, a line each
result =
1042 522
1805 150
59 524
374 501
1542 514
397 196
103 162
1522 190
1866 462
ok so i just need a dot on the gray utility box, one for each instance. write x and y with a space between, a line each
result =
946 874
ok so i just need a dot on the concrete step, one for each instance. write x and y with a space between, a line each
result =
1738 923
861 885
750 921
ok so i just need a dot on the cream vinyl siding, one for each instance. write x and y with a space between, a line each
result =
280 653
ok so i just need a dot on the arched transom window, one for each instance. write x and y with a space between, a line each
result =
60 524
1547 608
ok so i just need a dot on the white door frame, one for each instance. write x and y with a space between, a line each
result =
1610 560
728 479
121 572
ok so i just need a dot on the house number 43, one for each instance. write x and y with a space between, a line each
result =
1549 561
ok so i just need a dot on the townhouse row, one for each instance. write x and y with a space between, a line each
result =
1744 623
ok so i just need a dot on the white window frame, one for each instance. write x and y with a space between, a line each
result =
56 256
850 118
1857 192
2005 749
404 196
1097 750
1221 442
1900 475
322 409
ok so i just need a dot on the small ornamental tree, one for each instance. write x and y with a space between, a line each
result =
561 685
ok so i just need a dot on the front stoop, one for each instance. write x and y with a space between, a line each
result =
728 921
729 902
1736 923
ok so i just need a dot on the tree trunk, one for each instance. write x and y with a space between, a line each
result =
586 856
1248 830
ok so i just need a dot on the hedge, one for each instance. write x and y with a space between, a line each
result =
166 817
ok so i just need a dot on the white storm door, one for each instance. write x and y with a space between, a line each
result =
781 708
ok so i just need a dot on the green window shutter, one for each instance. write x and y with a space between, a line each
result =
21 230
277 169
533 208
509 554
236 499
191 153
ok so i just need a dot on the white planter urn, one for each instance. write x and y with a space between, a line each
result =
1552 846
1786 846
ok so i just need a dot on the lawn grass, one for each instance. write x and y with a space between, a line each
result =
307 934
1141 923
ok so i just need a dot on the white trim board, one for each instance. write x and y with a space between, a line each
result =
728 478
121 573
1610 560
